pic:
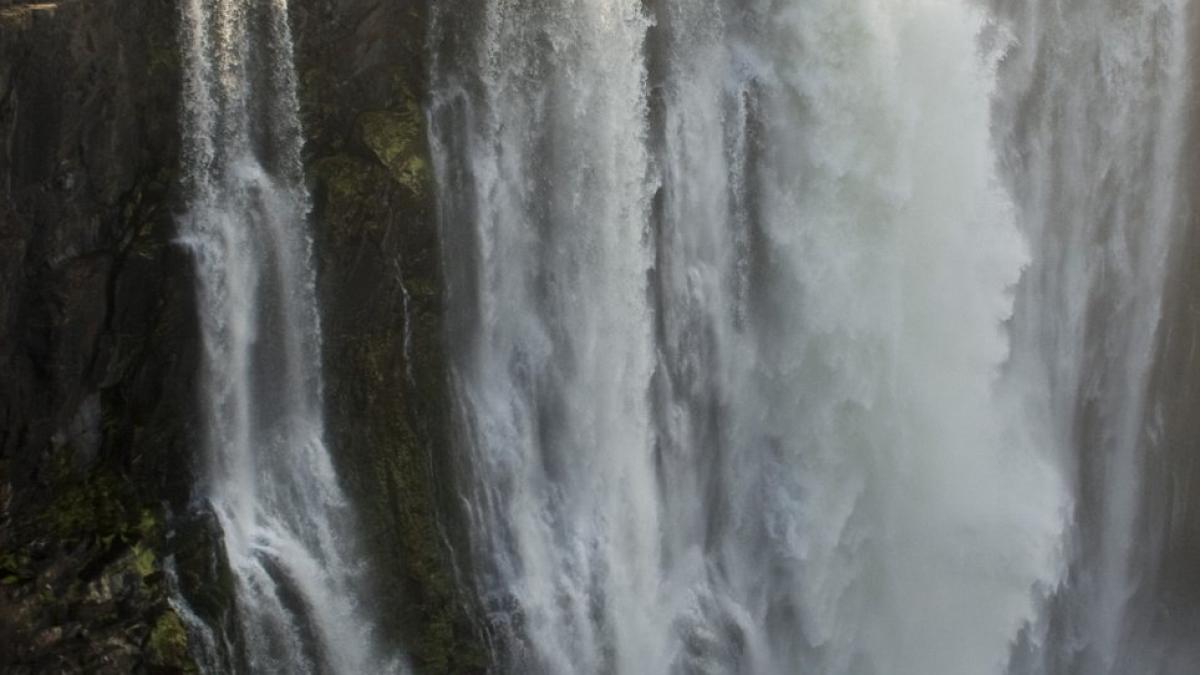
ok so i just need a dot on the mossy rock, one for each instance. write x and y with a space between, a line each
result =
167 647
396 140
97 508
348 190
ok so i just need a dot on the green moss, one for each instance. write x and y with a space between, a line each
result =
144 560
148 524
100 509
14 562
15 568
395 139
99 506
349 191
90 508
341 177
167 646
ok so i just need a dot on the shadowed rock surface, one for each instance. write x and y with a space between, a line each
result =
97 344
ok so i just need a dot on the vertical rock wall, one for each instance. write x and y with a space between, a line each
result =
97 347
363 80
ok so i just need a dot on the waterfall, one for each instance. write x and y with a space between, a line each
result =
552 189
271 482
1092 115
731 300
785 336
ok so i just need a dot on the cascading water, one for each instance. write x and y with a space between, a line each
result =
729 289
285 520
1092 115
552 185
790 336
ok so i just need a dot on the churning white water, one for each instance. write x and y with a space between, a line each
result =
783 330
272 485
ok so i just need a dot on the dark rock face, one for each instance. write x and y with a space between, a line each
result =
99 345
362 77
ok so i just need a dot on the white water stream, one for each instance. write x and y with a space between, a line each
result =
288 531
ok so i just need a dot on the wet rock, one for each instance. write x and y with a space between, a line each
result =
96 331
167 646
363 74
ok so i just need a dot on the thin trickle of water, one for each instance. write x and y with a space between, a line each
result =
406 308
288 531
728 289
